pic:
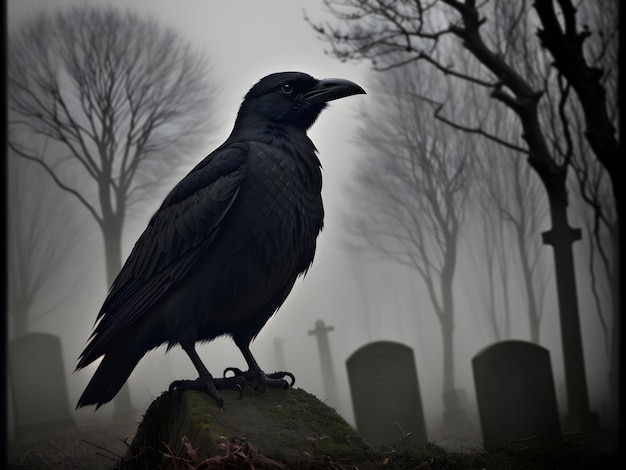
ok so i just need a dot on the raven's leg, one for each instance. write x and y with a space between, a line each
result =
258 379
205 382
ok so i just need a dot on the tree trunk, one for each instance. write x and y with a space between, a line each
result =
561 237
454 413
533 309
534 323
112 234
447 314
448 355
614 353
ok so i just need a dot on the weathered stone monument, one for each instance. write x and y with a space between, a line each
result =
516 395
385 394
38 383
328 371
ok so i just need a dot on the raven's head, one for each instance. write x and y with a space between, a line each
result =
293 98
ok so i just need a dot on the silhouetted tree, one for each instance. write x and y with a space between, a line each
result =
597 212
121 101
409 196
500 36
581 124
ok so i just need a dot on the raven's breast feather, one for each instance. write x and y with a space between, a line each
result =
271 236
288 212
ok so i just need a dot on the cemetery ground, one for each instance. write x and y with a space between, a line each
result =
275 430
97 443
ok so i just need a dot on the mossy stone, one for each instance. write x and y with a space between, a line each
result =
290 426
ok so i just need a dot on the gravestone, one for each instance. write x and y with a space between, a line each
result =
385 394
38 383
516 395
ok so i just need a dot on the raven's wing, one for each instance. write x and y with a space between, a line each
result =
184 227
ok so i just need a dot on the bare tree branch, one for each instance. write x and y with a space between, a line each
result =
41 237
478 131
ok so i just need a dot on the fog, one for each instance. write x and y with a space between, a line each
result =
364 296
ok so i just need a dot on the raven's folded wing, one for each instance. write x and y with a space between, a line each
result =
183 228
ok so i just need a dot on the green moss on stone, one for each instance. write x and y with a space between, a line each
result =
291 426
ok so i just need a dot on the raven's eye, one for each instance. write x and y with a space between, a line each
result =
287 88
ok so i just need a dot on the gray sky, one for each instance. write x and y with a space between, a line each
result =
246 40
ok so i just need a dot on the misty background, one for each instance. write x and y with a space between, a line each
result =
364 293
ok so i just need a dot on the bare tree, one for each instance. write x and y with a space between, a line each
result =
41 238
120 101
603 250
499 36
123 99
409 199
580 122
488 255
513 207
511 210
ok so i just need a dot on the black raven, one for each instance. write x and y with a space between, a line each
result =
223 251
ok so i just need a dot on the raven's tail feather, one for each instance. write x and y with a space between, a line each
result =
112 373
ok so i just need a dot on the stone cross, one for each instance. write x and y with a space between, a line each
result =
328 372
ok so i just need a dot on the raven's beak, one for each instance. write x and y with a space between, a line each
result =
331 89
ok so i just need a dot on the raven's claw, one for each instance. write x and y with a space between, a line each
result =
259 380
209 385
236 372
282 375
203 383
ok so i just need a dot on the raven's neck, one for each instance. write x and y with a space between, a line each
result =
289 139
